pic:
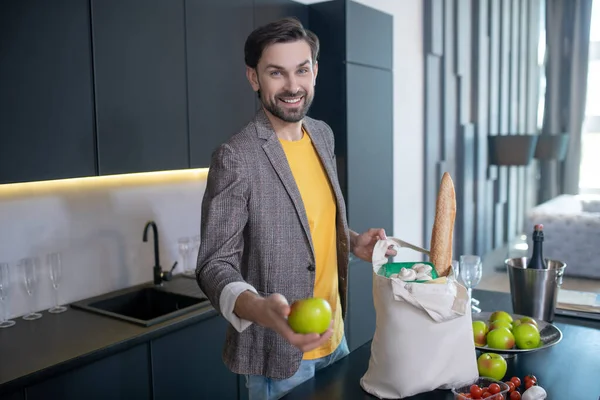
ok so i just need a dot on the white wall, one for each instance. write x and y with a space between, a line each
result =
408 117
98 226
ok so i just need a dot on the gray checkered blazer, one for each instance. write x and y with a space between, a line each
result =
254 228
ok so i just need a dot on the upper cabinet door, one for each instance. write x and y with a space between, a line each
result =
221 100
370 138
46 102
369 36
140 73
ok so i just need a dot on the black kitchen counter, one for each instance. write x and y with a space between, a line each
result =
568 370
34 350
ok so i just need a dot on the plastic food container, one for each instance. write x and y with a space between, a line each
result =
460 393
393 268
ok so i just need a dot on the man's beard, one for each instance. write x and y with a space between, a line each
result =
285 114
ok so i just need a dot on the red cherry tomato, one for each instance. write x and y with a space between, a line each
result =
531 378
476 391
494 388
515 396
511 386
529 384
485 395
516 381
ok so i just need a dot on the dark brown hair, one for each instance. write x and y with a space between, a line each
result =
282 31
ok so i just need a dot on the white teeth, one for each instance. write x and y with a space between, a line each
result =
292 101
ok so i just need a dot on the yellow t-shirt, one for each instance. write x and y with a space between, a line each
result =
320 206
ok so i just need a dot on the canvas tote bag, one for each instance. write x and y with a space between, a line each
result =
423 337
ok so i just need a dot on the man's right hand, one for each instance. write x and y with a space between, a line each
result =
271 312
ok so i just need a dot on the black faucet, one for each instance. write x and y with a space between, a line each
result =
159 274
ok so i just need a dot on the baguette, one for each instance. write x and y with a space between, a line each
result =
443 227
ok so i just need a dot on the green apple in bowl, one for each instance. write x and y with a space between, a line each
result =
501 339
500 323
492 365
480 330
501 316
526 320
527 336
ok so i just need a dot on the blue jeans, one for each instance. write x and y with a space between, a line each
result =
263 388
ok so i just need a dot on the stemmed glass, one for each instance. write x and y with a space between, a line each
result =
55 264
456 269
4 283
470 272
29 266
184 251
194 255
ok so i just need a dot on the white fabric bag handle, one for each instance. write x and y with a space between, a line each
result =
379 258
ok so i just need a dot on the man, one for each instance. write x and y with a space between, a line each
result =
274 224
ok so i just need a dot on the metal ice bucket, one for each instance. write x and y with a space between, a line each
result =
534 291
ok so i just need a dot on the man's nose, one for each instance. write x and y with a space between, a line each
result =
292 85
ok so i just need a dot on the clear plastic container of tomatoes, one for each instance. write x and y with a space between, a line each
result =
482 388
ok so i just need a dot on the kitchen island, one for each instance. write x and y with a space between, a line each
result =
568 370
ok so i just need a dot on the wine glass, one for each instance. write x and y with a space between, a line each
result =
54 261
184 251
470 272
194 255
4 283
29 267
456 269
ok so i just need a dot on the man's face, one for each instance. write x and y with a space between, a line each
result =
285 76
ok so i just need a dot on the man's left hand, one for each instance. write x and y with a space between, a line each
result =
363 244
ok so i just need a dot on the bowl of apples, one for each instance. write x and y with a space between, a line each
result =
511 334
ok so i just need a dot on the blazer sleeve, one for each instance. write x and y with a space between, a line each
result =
223 219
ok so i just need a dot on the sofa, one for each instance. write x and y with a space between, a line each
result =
571 232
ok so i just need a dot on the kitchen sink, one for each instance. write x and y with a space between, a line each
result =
144 306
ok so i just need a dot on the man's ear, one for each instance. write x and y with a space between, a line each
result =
252 78
315 71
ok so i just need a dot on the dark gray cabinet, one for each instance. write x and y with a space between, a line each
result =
266 11
220 98
370 147
19 395
140 77
360 318
187 364
369 36
123 376
354 95
97 87
46 100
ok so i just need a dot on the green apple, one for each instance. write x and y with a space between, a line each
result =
492 365
311 315
528 320
500 323
480 330
500 338
527 336
501 315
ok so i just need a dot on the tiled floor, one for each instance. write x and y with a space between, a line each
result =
496 278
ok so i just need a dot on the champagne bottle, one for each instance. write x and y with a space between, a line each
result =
537 258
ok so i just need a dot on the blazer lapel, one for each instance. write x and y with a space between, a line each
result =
278 160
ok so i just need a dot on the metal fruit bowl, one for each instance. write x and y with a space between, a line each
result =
549 335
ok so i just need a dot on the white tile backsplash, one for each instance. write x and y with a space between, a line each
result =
98 227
